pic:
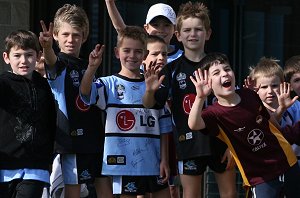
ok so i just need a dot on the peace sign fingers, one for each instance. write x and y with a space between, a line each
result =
46 36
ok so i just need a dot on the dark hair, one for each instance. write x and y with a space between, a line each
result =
292 66
213 58
154 39
23 39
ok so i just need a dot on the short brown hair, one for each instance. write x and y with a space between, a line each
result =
154 39
22 38
213 58
73 15
292 66
133 32
266 67
194 10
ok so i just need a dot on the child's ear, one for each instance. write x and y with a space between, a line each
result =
208 33
146 27
39 55
116 49
55 37
177 34
6 57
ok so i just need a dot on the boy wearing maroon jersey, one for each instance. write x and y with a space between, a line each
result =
264 157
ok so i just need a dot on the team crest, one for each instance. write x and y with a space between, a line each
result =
120 91
181 138
181 78
75 78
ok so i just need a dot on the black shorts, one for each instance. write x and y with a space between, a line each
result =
20 187
88 168
197 166
137 185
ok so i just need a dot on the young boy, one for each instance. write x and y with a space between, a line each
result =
267 76
160 21
264 157
156 59
79 138
27 119
157 52
193 149
135 149
292 75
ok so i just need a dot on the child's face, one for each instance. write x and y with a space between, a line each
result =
157 51
22 61
295 83
222 79
131 54
69 39
193 34
268 86
162 27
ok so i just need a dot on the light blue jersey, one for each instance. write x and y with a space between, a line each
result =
290 117
132 132
174 55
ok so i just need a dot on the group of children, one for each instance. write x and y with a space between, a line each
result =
154 101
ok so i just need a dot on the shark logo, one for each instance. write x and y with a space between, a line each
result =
130 187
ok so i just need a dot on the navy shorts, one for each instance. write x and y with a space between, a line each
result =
137 185
197 166
87 166
22 188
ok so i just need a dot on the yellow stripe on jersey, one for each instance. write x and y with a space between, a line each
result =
285 145
222 136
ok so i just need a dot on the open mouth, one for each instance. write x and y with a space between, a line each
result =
226 84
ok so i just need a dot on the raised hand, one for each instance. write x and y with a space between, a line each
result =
46 36
284 99
250 84
95 57
152 79
202 83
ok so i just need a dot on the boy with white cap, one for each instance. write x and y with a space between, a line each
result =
160 21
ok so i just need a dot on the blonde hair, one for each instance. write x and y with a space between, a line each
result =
73 15
266 67
133 32
194 10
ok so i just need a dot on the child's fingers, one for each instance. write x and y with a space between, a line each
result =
44 28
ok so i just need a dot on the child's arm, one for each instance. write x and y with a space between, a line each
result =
284 100
46 41
203 89
115 16
152 84
164 163
95 59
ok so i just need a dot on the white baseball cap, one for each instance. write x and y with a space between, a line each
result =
161 9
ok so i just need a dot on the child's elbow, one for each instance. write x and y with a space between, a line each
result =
192 126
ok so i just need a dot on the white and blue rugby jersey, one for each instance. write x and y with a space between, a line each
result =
132 132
